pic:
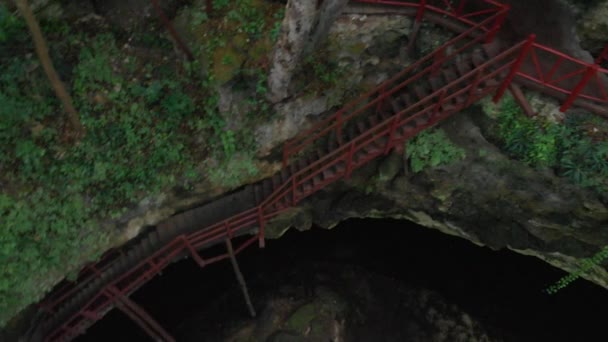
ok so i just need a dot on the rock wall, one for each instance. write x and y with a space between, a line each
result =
305 25
487 199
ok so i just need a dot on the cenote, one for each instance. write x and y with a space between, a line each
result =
501 290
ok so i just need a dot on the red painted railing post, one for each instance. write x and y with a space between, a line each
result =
591 71
420 12
285 154
209 7
261 241
293 191
349 160
473 89
440 103
389 142
460 7
602 56
228 230
515 68
498 23
438 59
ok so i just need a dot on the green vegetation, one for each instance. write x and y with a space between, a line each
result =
432 148
575 149
326 73
587 265
568 148
150 122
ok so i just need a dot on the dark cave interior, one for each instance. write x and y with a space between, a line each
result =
499 288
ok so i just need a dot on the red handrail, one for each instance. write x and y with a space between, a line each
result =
306 138
578 79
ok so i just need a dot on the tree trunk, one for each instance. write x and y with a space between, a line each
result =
43 54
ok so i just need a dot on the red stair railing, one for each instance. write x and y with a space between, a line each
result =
465 12
566 75
85 276
361 104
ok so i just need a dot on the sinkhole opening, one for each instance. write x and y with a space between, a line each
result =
501 290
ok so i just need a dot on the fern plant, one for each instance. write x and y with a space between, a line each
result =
432 148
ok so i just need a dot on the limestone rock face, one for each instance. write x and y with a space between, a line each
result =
593 27
488 199
368 48
303 27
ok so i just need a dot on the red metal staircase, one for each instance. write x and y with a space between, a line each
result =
455 76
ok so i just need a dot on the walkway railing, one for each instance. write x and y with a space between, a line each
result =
469 37
573 78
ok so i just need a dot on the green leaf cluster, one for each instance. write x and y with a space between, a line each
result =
565 147
586 265
432 148
52 192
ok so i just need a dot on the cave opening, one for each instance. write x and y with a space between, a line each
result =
500 289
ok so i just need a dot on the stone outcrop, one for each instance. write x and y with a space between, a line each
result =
303 28
487 198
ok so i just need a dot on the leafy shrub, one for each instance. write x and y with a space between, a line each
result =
566 148
135 146
587 265
432 148
233 171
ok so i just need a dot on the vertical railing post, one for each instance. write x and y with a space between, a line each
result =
420 12
349 160
228 230
437 109
473 89
389 142
500 19
460 7
438 58
591 71
197 258
602 56
515 67
208 7
261 223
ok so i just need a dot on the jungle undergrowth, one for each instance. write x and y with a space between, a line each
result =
149 123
